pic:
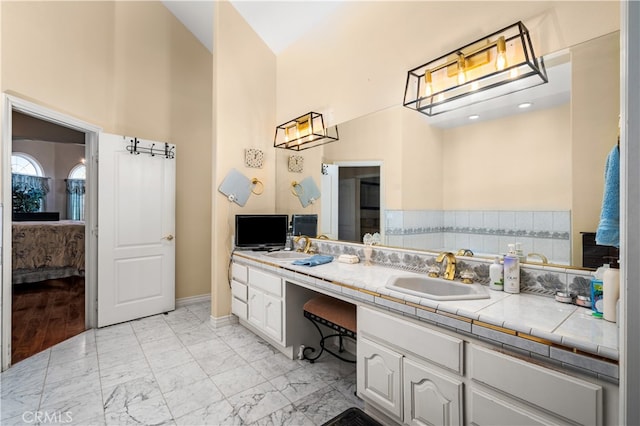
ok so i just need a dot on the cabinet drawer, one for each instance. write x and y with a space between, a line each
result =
558 393
239 290
438 348
487 410
266 282
239 308
239 272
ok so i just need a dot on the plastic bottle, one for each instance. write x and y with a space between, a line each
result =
597 302
611 291
512 271
496 276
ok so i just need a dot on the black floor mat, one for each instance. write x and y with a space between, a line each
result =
352 417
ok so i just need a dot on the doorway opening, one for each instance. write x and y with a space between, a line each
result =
358 202
49 258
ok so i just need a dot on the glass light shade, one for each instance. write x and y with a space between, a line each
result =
304 132
498 64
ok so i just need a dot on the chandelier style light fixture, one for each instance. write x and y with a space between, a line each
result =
304 132
495 65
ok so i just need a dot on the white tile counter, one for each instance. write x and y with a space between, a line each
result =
560 333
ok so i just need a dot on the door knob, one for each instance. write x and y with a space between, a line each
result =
168 237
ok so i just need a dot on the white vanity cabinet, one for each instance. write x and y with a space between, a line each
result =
265 302
507 390
239 290
411 376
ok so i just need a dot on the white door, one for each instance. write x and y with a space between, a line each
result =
348 210
136 227
329 216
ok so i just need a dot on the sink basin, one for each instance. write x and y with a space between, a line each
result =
287 255
436 288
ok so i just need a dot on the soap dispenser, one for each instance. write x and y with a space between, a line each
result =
512 271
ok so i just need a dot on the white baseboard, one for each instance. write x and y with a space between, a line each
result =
192 300
222 321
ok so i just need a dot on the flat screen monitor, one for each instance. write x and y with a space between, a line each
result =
261 231
305 224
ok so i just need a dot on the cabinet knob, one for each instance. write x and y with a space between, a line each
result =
168 237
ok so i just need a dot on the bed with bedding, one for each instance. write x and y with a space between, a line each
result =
47 250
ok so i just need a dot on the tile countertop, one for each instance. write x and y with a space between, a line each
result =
537 318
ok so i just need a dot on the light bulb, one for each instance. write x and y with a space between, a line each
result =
501 59
428 89
462 78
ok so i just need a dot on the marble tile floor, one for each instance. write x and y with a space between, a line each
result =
173 369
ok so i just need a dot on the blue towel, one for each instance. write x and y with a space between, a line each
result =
314 260
608 232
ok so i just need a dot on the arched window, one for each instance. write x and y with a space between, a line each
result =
29 187
75 192
24 164
79 171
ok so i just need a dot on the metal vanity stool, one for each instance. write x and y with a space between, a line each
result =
335 314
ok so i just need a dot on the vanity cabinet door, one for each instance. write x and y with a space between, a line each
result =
379 374
273 317
256 308
430 398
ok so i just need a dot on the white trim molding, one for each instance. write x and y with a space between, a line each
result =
192 300
9 104
218 322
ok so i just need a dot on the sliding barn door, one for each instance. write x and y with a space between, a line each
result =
136 228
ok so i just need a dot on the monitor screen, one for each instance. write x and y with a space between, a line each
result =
305 224
261 231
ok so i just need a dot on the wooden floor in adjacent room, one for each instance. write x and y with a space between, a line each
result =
45 313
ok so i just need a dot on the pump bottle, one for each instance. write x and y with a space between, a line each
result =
512 271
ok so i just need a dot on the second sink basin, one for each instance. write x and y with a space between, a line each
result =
436 288
287 255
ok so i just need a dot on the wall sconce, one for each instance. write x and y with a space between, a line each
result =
498 64
304 132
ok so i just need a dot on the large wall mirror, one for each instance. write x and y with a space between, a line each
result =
530 175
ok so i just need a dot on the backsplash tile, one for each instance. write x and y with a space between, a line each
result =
540 279
544 232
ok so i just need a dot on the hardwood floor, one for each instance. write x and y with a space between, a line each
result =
44 314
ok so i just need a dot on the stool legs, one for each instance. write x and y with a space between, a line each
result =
314 320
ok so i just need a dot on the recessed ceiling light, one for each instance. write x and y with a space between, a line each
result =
525 105
474 117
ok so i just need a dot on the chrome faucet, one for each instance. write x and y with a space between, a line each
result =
307 244
450 270
542 257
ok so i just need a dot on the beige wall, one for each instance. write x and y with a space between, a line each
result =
244 106
133 69
594 99
361 55
522 162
